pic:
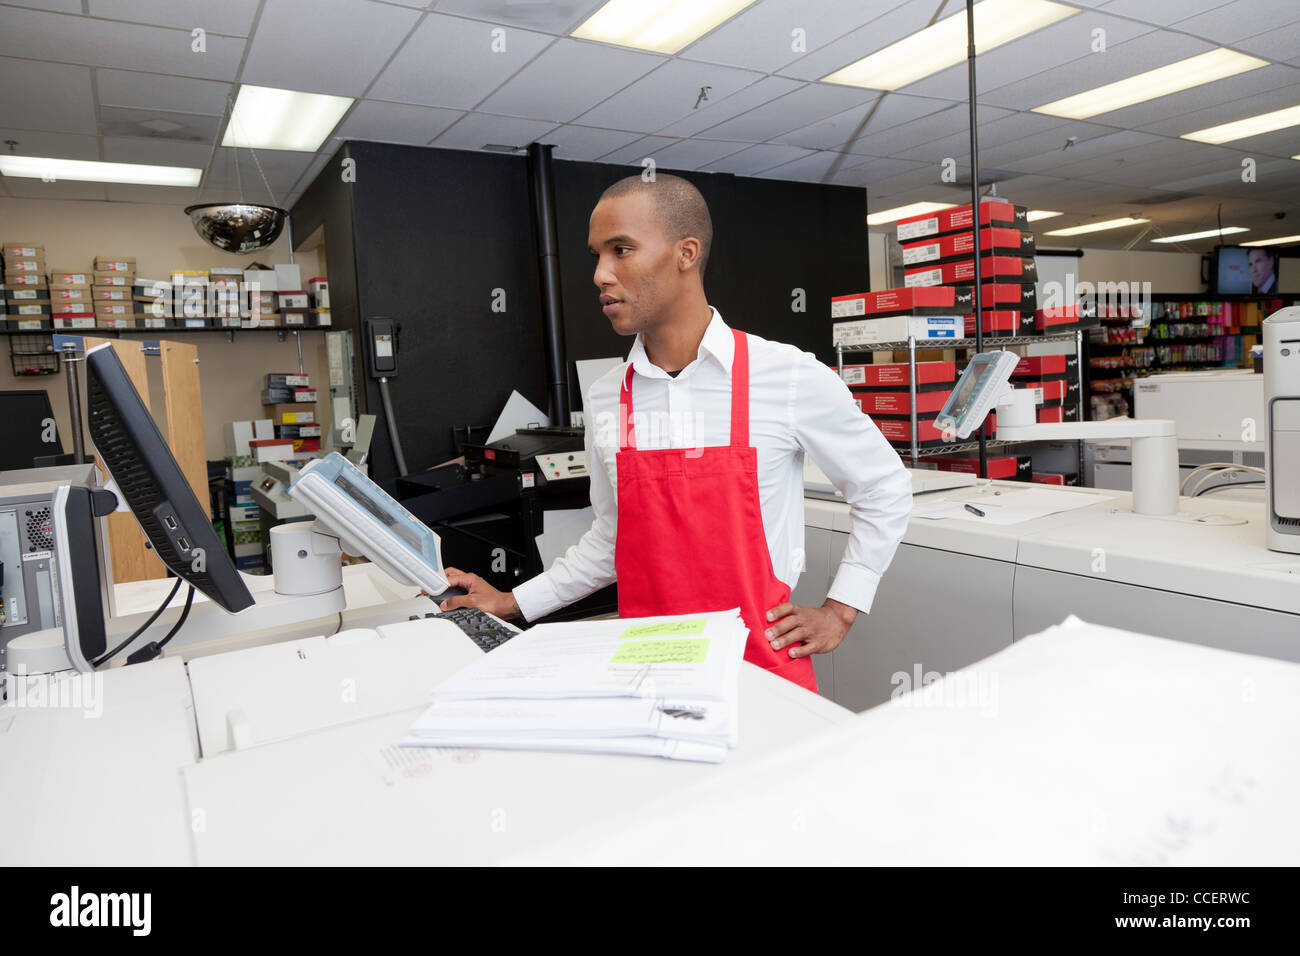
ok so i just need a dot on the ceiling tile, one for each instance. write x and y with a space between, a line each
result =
666 95
35 189
691 153
325 46
1110 146
891 26
587 142
812 166
756 159
763 37
553 16
150 92
1281 44
58 6
1240 87
1119 62
233 17
568 79
907 136
158 152
477 130
1228 111
46 96
714 111
84 41
158 126
1241 19
1061 46
813 102
161 195
1159 12
635 152
396 123
55 145
451 62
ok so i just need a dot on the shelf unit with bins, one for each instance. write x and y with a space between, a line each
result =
989 342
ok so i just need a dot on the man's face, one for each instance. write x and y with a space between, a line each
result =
635 263
1261 267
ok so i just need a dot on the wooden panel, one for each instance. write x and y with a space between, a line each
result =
132 561
180 370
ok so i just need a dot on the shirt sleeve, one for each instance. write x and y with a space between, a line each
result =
861 464
588 566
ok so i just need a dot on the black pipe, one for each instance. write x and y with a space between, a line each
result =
541 186
975 206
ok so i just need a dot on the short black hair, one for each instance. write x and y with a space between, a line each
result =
681 208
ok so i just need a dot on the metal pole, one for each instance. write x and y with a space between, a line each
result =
975 204
70 362
1078 372
392 426
911 388
297 337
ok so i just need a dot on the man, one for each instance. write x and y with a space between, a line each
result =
695 450
1262 277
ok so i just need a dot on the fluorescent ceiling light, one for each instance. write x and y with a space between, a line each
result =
1188 236
80 170
943 44
1036 214
902 212
661 26
267 118
1280 240
1183 75
1251 126
1096 227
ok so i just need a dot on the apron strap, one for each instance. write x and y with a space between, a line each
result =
739 399
740 391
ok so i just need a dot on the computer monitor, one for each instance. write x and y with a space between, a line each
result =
152 485
30 432
978 389
370 522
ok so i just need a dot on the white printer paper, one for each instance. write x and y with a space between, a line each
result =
518 413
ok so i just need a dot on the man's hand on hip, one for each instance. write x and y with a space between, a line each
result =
479 594
809 630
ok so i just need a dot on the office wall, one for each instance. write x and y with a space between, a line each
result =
1167 272
161 238
443 242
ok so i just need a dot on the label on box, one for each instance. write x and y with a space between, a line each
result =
196 323
853 375
19 294
25 324
114 265
924 253
109 322
112 295
80 322
927 277
17 265
40 309
70 278
24 280
918 229
24 252
106 280
294 318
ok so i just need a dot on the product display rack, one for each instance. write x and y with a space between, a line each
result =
989 342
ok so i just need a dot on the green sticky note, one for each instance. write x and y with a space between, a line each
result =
667 629
689 651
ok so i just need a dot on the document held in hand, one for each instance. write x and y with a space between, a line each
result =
662 686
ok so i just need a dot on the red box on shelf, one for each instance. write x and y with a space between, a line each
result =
992 268
1055 478
993 212
961 245
892 375
1005 467
898 431
913 301
900 403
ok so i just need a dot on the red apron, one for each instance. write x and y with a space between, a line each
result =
690 530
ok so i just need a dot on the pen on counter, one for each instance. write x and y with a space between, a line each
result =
973 510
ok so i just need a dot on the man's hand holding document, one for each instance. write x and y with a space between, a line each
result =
660 686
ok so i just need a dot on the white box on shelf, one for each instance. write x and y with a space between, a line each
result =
897 328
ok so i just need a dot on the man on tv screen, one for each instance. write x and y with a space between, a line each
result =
1263 271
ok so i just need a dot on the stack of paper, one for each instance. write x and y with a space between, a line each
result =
660 686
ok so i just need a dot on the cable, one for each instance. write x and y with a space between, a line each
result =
340 627
141 629
154 648
1230 484
1217 466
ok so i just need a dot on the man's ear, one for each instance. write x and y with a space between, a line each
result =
688 253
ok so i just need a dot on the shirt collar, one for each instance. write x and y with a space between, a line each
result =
718 343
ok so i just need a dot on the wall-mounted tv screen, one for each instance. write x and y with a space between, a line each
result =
1239 270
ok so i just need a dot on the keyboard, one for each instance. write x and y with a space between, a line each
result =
479 626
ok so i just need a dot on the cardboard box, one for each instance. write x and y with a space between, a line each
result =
278 396
287 380
962 271
152 309
122 279
291 414
898 431
1003 467
898 328
908 301
114 322
110 294
291 300
1046 366
319 290
153 288
115 264
40 308
260 280
68 278
893 375
288 277
150 322
84 320
297 431
319 318
900 402
1065 318
25 294
23 250
114 309
24 281
271 449
1006 295
303 445
961 245
1002 322
27 323
19 266
293 318
993 212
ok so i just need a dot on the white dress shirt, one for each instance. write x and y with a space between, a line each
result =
796 405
